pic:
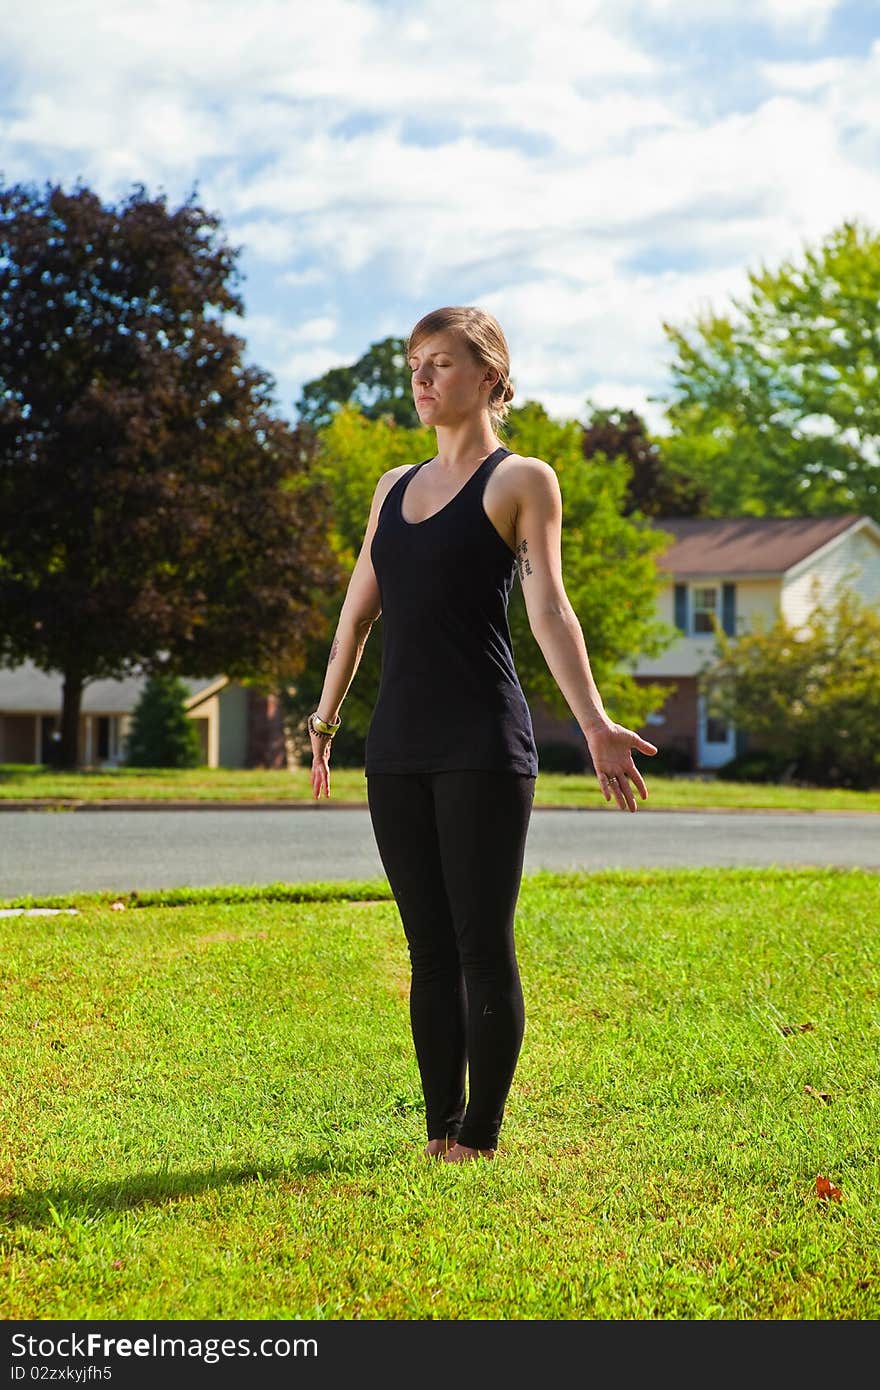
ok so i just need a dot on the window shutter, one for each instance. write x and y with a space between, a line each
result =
728 609
681 607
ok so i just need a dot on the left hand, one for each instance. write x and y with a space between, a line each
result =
610 748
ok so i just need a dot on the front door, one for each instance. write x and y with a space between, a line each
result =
716 738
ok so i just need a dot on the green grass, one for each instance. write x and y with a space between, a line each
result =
210 1108
21 783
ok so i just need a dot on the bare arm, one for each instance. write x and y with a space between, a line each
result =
558 633
360 609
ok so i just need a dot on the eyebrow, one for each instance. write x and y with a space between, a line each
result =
440 352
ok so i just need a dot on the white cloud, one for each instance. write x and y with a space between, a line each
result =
535 156
808 17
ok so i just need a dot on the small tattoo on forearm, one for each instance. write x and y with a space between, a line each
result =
522 560
333 650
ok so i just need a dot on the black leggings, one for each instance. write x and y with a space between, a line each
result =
452 845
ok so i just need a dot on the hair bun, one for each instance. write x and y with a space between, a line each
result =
508 391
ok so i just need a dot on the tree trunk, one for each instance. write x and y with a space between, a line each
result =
71 703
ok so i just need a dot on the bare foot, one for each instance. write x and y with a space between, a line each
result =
461 1153
438 1148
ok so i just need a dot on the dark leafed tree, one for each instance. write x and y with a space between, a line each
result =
157 514
654 489
378 385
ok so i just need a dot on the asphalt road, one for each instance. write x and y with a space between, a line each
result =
58 852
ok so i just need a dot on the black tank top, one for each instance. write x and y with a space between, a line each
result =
449 695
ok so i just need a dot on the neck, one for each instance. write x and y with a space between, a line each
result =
460 446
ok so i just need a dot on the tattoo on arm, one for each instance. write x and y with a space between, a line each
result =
333 650
522 560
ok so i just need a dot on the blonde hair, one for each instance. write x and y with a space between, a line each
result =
484 336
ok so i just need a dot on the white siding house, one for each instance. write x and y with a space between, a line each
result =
745 571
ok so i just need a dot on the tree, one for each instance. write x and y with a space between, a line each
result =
809 695
158 515
610 574
654 489
775 407
162 733
609 569
378 385
353 453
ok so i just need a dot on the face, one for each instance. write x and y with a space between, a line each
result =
448 383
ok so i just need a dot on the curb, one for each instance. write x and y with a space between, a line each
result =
326 806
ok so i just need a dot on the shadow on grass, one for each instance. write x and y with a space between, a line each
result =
80 1200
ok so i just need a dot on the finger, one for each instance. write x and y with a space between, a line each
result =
644 746
638 780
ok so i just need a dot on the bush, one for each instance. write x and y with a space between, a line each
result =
762 765
162 733
665 762
809 694
563 757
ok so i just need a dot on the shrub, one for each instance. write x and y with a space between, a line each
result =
811 694
758 765
162 734
563 757
665 762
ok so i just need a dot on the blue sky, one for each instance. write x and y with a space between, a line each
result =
585 169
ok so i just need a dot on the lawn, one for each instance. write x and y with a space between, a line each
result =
25 783
209 1108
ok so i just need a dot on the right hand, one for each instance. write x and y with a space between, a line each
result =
320 763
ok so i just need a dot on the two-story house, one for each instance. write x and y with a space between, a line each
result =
735 569
741 570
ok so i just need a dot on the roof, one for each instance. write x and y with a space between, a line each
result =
746 544
26 690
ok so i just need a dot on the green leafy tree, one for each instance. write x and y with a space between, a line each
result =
775 407
157 513
162 733
808 695
610 572
654 489
609 568
378 385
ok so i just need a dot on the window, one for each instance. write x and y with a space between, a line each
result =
717 730
704 608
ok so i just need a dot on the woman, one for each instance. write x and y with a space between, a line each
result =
450 753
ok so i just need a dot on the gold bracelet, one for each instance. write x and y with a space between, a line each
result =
321 726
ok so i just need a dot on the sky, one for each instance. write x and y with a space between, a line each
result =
586 170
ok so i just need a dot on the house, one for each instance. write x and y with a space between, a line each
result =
238 727
739 570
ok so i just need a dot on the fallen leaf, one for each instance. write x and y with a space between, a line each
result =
787 1028
826 1191
818 1095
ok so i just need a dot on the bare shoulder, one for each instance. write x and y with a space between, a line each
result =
387 480
530 479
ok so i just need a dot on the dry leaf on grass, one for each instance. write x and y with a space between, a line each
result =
786 1029
817 1095
826 1190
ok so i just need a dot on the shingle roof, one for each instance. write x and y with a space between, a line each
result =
29 691
745 544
